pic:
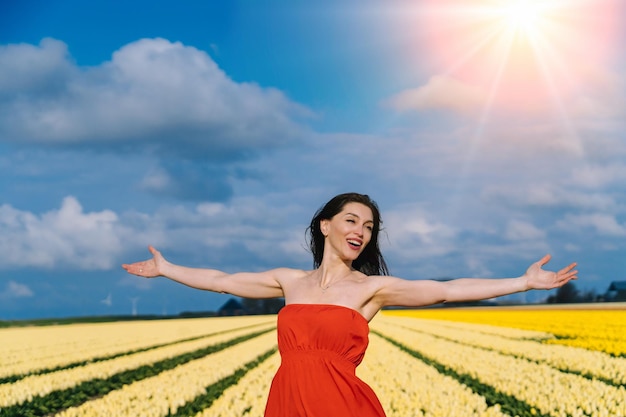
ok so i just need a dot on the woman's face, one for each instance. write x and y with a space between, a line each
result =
350 230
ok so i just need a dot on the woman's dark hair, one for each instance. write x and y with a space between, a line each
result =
370 261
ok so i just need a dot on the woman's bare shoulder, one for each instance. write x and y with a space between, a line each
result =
290 273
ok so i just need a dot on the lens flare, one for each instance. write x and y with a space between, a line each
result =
526 55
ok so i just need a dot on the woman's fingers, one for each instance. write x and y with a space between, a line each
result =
144 268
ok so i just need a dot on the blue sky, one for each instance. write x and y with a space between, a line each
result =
214 130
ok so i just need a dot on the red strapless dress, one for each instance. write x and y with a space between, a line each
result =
321 345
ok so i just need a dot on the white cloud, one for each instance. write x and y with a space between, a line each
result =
207 233
477 265
521 230
602 95
15 290
548 195
28 68
67 236
157 180
603 224
594 176
152 90
415 234
442 92
571 247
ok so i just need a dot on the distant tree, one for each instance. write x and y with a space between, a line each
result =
565 294
262 306
588 296
232 307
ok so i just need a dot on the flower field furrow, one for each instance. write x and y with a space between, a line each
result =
249 396
602 329
61 346
586 362
409 387
165 393
552 392
41 385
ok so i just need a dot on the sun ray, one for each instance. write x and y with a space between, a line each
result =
476 139
533 60
462 35
476 44
547 58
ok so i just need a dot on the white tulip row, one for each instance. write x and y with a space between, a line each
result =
249 396
27 349
409 387
40 385
166 392
595 363
539 385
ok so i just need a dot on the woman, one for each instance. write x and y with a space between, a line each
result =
323 328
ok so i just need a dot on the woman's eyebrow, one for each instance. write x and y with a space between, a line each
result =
356 215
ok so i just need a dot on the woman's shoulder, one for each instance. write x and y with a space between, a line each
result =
380 282
290 273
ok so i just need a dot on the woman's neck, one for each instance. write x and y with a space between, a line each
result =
331 272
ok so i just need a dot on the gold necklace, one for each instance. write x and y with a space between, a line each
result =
331 284
328 286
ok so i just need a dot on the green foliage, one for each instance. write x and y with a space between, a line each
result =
214 391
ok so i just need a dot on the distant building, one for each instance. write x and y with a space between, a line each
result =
617 291
232 307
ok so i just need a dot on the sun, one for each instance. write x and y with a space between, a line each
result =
523 16
527 57
528 18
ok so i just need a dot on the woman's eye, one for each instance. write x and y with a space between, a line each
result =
350 221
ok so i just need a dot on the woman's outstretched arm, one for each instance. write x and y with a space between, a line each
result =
243 284
401 292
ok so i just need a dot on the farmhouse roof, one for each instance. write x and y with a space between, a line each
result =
617 286
231 305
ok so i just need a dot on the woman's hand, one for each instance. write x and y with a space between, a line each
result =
149 268
539 279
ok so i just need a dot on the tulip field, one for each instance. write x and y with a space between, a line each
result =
433 362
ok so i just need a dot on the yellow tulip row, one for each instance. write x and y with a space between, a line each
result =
40 385
249 396
27 349
409 387
550 391
587 362
166 392
598 329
